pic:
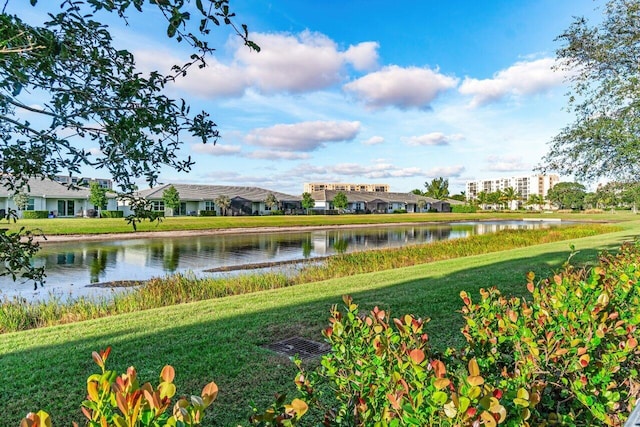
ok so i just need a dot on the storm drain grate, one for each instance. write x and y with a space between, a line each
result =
301 347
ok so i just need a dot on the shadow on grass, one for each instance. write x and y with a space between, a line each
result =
227 349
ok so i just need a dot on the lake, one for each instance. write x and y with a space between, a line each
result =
71 266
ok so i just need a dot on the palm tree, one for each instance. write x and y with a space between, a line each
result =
483 199
509 195
223 202
535 200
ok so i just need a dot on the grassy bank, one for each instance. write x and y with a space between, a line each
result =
17 315
61 226
221 339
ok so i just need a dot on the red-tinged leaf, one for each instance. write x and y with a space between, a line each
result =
441 383
122 403
497 393
86 412
417 355
632 343
329 331
105 353
394 402
209 393
584 360
582 350
531 287
438 368
96 358
149 398
398 324
557 279
168 374
471 412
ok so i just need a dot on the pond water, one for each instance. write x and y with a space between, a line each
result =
70 267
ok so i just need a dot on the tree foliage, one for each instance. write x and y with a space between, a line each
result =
340 201
171 198
438 188
223 202
602 64
21 200
271 201
567 195
97 195
90 91
307 201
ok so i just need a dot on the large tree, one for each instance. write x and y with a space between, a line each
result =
307 201
602 65
171 199
90 90
438 188
567 195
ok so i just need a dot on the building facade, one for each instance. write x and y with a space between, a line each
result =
525 186
310 187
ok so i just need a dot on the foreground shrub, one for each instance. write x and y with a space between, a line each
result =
566 355
463 209
119 401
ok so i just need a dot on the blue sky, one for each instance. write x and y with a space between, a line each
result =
371 91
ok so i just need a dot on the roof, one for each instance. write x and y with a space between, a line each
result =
44 187
370 196
211 192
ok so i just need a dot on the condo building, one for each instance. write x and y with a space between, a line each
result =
310 187
526 186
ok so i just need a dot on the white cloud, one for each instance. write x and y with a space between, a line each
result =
404 88
95 151
276 155
217 150
507 164
305 136
445 171
434 138
300 63
522 78
359 171
374 140
363 56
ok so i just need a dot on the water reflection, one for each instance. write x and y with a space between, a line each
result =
71 266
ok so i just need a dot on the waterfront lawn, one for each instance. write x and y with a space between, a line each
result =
221 339
118 225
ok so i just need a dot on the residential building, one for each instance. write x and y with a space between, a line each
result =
379 202
244 200
57 199
525 186
83 181
310 187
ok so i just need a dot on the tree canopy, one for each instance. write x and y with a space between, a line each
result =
307 201
340 201
97 195
171 198
90 90
602 64
567 195
438 188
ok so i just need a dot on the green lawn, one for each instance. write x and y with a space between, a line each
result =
113 225
221 339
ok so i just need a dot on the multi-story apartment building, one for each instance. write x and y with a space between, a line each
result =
526 186
83 181
310 187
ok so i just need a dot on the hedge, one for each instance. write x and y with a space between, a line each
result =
35 214
112 214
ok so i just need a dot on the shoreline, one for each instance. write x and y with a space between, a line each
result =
62 238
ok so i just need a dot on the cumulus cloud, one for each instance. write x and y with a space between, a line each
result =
507 164
300 63
522 78
217 150
305 136
376 171
374 140
404 88
445 171
363 56
434 138
290 63
276 155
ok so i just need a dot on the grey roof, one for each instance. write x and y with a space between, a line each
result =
210 192
48 188
371 196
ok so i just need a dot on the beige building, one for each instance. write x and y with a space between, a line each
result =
310 187
526 186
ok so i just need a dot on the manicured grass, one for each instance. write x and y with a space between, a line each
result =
115 225
221 339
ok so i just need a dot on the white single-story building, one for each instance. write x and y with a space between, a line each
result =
379 202
244 200
57 199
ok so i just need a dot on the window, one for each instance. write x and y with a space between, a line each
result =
209 206
157 205
31 205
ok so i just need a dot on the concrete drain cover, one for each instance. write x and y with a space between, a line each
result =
302 347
